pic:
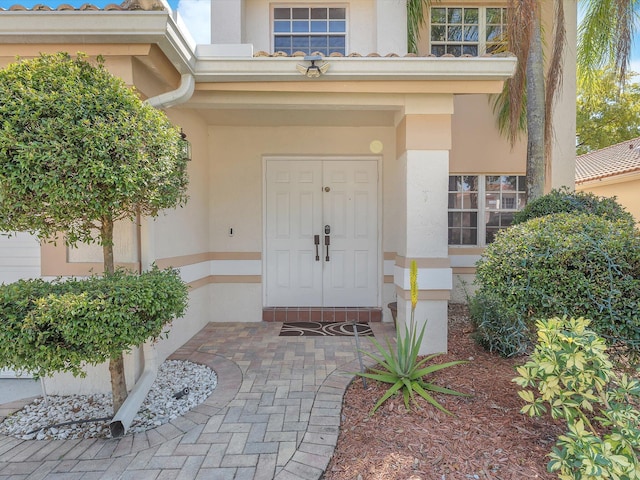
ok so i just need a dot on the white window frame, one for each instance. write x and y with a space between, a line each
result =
309 33
481 42
484 210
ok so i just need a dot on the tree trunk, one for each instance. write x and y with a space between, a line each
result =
116 364
118 382
106 235
535 116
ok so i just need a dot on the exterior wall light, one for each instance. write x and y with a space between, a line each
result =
186 146
313 70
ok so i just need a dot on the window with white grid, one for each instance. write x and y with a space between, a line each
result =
309 29
467 30
481 205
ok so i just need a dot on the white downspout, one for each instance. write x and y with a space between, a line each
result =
125 415
177 96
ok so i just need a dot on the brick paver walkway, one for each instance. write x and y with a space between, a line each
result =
274 414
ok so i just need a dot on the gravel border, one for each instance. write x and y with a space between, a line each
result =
179 387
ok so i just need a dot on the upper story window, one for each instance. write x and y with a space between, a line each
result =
481 205
467 30
310 29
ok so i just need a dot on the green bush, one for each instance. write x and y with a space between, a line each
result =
564 200
570 374
500 327
562 264
63 325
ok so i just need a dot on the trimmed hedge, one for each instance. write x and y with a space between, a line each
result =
564 200
58 326
577 265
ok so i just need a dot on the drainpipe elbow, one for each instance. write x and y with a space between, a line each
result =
175 97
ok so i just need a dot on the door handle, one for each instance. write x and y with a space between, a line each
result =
327 242
316 241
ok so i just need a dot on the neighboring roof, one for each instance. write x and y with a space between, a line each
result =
615 160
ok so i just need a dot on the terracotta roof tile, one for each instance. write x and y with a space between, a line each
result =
610 161
125 5
262 53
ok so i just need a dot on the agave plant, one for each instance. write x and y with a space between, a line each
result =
399 365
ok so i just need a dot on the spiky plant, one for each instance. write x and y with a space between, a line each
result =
399 365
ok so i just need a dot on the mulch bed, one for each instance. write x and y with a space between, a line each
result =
486 438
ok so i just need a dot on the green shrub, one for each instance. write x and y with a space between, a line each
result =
564 200
63 325
570 375
499 327
562 264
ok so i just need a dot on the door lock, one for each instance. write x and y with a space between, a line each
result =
327 240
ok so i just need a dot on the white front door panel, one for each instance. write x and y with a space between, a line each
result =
303 198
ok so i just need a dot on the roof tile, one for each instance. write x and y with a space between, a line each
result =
125 5
617 159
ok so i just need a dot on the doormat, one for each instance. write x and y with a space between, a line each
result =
326 329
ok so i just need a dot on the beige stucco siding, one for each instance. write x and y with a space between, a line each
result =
361 16
477 145
184 231
625 187
237 171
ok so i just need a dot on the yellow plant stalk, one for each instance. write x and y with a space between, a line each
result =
413 280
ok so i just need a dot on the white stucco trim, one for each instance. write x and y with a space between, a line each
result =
464 260
215 69
428 278
389 267
198 271
236 267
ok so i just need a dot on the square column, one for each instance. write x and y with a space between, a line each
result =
227 21
391 27
425 162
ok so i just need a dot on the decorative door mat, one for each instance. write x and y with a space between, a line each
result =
319 329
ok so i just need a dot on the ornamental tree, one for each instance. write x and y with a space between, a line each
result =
79 151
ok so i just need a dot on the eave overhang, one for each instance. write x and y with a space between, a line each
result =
159 27
283 69
101 27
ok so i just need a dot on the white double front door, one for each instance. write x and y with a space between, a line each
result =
321 220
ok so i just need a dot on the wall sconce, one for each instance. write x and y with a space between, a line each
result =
313 70
186 146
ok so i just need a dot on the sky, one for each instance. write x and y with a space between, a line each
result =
195 14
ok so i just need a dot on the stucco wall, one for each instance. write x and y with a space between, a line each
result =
236 192
478 146
361 14
184 231
626 189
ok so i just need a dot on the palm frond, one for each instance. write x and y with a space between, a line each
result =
416 18
521 15
554 80
605 37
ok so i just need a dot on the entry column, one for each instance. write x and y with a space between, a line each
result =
423 144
